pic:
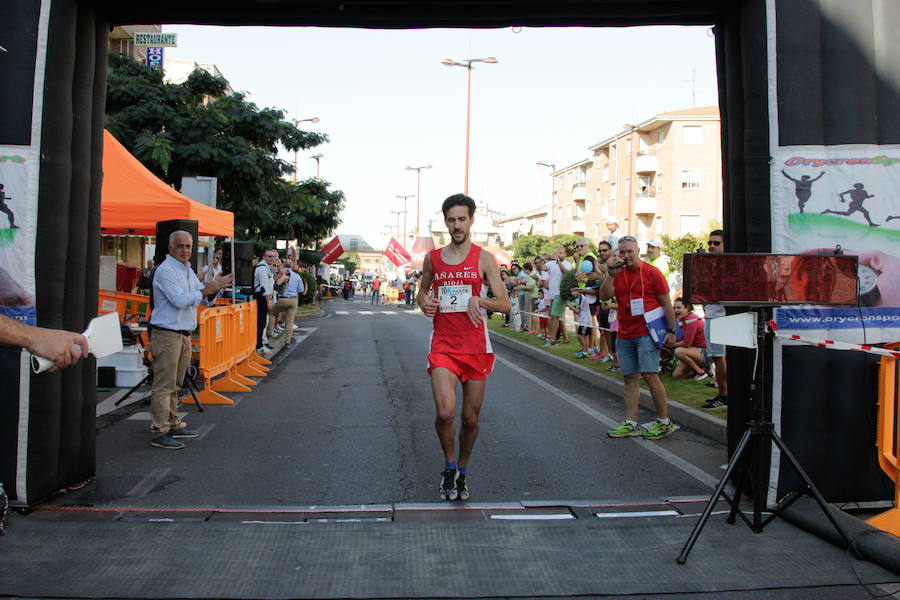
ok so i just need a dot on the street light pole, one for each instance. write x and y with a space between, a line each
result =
317 157
552 194
404 216
467 64
397 212
296 123
631 129
418 171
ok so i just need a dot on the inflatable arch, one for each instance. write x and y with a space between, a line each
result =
791 73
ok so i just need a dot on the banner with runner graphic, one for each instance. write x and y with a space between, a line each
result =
825 197
18 224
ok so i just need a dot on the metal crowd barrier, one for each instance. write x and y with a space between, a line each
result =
888 437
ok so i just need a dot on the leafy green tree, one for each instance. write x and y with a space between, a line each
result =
350 260
311 286
676 248
528 246
195 128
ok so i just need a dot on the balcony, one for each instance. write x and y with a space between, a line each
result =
579 192
646 163
578 226
645 205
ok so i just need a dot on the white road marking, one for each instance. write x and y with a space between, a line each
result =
146 485
109 404
652 446
341 312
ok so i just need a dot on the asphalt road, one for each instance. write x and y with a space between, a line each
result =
346 417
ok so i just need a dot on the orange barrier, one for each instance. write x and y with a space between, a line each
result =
888 437
131 307
227 348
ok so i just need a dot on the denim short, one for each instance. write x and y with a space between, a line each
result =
637 355
713 350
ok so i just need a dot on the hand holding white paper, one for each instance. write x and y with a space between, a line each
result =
104 337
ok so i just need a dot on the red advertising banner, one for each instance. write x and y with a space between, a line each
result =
332 251
396 253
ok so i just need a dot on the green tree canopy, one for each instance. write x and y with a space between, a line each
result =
196 129
528 246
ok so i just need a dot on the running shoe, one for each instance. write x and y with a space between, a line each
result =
612 368
581 354
626 429
716 402
462 489
448 484
658 430
549 343
594 352
701 376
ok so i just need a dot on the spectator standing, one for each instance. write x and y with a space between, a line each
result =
690 350
604 254
612 225
656 258
556 267
263 290
640 288
376 291
524 287
583 255
716 352
176 294
584 319
292 287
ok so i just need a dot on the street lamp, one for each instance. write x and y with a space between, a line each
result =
467 64
630 129
397 212
404 215
552 166
296 123
418 171
316 158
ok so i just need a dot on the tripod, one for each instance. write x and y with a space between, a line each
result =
753 444
188 381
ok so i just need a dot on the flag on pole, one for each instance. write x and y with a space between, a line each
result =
332 251
396 253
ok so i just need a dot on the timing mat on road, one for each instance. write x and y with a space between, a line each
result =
193 557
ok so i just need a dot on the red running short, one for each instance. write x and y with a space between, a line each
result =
464 366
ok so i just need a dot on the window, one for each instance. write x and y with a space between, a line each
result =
612 152
660 136
690 179
605 173
628 147
659 183
610 207
643 144
628 185
612 190
587 174
691 135
690 224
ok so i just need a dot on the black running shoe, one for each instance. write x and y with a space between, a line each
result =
448 484
462 490
716 402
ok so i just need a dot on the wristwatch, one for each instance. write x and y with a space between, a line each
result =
671 330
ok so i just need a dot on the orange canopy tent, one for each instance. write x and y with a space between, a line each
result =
133 199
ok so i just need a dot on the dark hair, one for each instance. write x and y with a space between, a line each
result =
687 305
605 243
718 232
528 266
459 200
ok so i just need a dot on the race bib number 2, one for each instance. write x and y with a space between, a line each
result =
454 298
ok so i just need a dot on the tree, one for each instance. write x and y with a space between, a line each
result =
351 261
676 248
195 128
528 246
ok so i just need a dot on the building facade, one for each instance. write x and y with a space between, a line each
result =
662 176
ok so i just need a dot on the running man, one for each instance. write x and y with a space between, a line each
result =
460 274
858 195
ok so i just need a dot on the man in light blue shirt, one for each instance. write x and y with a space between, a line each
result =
176 294
286 303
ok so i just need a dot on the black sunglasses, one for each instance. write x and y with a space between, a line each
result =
711 243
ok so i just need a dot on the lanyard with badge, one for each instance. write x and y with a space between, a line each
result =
636 305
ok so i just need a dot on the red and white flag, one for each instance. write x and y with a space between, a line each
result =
332 251
396 253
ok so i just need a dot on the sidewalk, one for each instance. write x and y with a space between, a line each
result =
709 425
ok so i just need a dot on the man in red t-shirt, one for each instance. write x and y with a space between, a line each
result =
460 274
639 288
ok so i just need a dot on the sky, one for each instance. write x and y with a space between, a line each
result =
386 102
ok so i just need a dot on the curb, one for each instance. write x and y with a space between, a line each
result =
712 427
